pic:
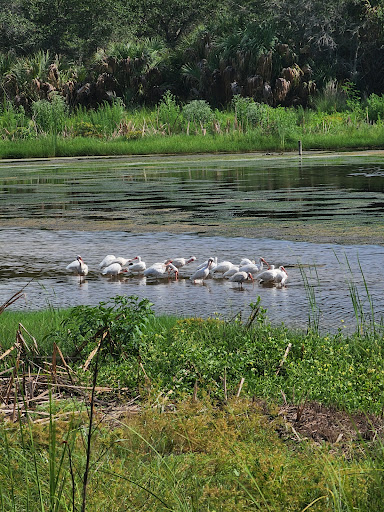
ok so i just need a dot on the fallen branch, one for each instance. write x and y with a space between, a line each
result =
284 358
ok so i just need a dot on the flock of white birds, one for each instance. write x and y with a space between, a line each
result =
244 271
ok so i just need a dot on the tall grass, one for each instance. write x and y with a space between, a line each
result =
310 290
170 128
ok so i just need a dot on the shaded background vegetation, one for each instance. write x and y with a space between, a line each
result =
278 52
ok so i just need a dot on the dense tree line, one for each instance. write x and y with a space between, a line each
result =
278 52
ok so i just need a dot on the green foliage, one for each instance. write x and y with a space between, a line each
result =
119 322
375 107
86 129
14 123
169 111
101 122
50 116
250 114
198 112
330 99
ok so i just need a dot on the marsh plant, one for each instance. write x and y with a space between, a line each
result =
198 113
50 116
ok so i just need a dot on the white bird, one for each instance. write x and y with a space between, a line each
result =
161 270
113 269
111 258
253 268
78 267
108 260
273 275
137 267
231 272
213 264
246 261
222 267
240 277
180 262
121 260
202 273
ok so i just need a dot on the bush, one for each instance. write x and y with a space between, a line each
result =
198 112
375 107
14 124
118 322
249 114
87 129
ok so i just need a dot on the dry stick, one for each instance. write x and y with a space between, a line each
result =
20 339
284 397
300 408
8 352
284 358
14 297
240 387
147 379
11 379
195 391
64 362
225 384
21 326
296 434
91 356
53 369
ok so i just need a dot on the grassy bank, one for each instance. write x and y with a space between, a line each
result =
183 144
193 128
182 432
192 356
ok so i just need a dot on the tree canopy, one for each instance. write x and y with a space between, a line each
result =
274 51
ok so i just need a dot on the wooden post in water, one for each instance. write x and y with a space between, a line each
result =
300 148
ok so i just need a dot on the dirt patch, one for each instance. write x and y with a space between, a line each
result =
321 423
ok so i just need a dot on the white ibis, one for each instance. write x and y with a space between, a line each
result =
181 262
202 273
113 269
254 268
273 276
222 267
161 270
78 267
240 277
136 265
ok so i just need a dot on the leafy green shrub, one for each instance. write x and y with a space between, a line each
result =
118 322
283 122
198 112
250 114
375 106
14 124
87 129
108 116
101 122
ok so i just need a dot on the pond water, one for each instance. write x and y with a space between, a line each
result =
320 216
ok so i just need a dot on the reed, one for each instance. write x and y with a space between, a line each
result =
314 313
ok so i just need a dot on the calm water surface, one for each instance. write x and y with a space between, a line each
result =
160 207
